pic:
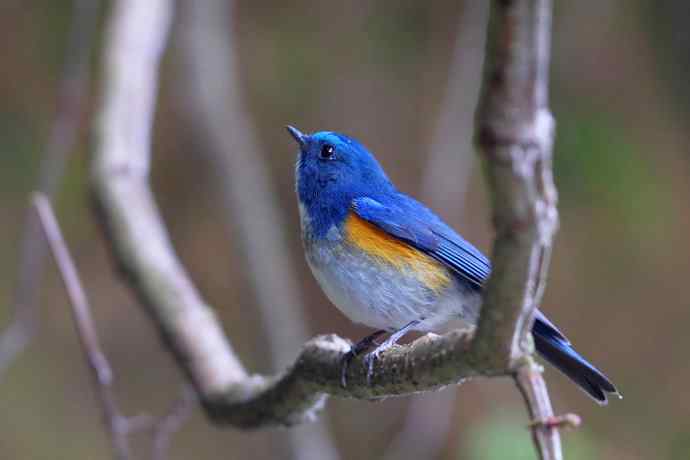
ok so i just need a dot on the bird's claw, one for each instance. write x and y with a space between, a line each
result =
345 365
356 350
369 361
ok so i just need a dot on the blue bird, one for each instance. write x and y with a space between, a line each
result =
387 261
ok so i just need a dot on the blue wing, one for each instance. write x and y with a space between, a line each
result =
415 224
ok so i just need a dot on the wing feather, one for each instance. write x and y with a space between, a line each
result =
413 223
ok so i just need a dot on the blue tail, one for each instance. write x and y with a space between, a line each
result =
555 348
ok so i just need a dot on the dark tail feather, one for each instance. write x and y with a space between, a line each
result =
552 345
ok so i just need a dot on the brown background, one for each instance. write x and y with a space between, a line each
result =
378 71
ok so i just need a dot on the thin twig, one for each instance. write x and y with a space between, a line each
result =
101 371
118 425
544 425
171 423
71 96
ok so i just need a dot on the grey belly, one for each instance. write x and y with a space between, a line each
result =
381 296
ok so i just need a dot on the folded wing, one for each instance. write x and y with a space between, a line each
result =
417 226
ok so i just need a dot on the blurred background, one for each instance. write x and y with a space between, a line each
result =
403 77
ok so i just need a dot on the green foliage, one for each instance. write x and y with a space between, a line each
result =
599 165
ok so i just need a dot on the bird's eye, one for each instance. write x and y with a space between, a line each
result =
327 152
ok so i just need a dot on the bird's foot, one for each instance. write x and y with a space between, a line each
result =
345 364
354 351
369 361
374 355
371 358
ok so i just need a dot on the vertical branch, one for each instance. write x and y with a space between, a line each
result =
218 112
63 132
515 134
544 425
101 373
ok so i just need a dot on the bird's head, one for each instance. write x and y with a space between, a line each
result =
332 170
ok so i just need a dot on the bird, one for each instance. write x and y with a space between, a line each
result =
387 261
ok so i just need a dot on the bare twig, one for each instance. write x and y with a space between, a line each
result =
101 372
171 423
515 133
544 425
70 101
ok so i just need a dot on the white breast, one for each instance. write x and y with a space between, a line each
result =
377 294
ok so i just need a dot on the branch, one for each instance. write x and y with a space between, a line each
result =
225 135
63 133
515 134
101 373
544 425
146 256
134 44
171 423
520 176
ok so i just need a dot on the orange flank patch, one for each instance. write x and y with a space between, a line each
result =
379 244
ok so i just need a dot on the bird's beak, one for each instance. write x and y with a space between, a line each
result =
297 134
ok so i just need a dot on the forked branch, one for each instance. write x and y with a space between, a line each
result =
515 134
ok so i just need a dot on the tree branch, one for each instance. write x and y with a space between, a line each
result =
134 44
63 133
544 425
171 423
515 134
101 372
211 95
146 256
